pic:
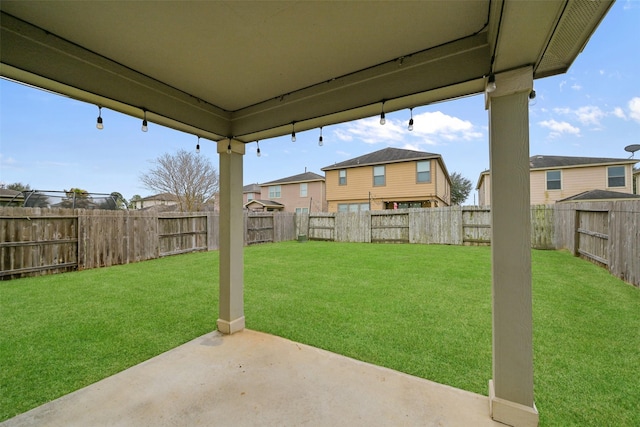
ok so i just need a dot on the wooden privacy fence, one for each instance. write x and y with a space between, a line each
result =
40 241
450 226
36 241
605 233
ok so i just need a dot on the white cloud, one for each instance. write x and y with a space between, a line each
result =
7 161
430 128
619 113
634 108
562 83
576 86
590 115
559 128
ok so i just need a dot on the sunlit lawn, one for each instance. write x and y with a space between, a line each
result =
424 310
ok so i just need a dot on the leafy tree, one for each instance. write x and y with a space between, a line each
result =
119 201
133 202
186 175
76 198
18 186
460 188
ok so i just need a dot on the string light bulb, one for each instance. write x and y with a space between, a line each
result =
99 124
229 147
320 143
410 127
144 122
198 146
382 118
293 132
491 83
258 150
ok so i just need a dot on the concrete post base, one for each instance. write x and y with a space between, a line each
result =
511 413
232 327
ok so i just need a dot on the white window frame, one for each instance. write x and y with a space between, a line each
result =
383 175
303 189
623 176
275 191
546 180
427 171
342 177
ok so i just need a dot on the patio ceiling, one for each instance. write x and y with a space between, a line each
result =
248 70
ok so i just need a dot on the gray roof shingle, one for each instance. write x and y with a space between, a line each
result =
384 156
251 188
600 195
303 177
545 162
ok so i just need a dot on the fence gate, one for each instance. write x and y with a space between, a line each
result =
259 229
322 227
592 236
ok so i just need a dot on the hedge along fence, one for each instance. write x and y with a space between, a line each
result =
35 241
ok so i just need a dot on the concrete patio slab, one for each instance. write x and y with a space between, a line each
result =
255 379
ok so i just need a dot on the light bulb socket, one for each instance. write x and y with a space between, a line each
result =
532 94
320 143
491 83
229 148
197 148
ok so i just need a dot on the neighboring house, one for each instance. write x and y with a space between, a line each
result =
636 181
250 192
555 178
11 197
390 178
257 205
298 193
155 201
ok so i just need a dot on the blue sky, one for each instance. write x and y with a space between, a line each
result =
51 143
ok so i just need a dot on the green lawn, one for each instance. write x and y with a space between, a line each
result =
424 310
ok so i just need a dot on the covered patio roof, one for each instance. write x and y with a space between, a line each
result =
250 70
235 72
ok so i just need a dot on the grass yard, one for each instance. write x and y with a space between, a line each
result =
424 310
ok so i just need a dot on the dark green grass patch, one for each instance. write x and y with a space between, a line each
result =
424 310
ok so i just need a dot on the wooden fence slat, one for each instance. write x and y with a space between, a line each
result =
39 241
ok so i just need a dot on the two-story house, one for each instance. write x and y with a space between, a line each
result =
554 178
300 193
250 192
391 178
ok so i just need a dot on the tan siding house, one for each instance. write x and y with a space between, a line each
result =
556 178
298 193
391 178
636 180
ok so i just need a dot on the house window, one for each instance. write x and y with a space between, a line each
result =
554 180
615 176
302 210
423 170
303 189
274 192
249 197
378 175
342 177
353 207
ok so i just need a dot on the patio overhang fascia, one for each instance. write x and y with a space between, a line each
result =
36 57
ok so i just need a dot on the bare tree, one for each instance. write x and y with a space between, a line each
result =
186 175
